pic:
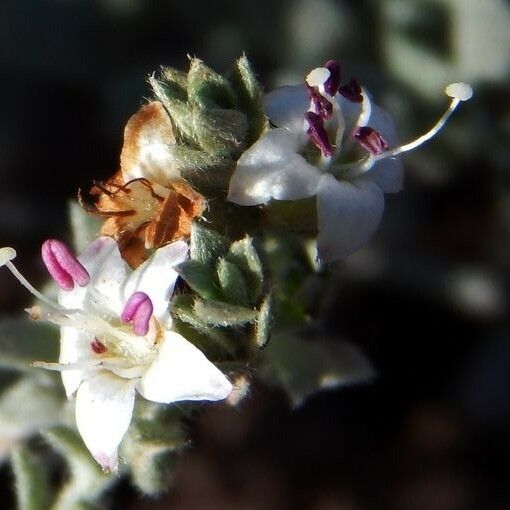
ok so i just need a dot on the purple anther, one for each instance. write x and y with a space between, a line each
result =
351 91
333 82
138 311
370 140
98 347
318 134
322 106
62 265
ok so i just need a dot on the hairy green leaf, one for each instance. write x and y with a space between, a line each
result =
233 283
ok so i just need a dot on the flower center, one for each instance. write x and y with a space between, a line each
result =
124 344
323 85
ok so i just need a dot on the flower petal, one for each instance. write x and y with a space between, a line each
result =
348 215
351 113
387 173
286 107
74 347
107 271
272 168
156 277
182 372
104 406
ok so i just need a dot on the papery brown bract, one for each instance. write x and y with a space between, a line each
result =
141 219
147 204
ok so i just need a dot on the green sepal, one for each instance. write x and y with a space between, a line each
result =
243 254
208 89
191 162
182 116
214 341
217 313
264 322
167 91
174 76
31 480
201 278
206 245
220 132
250 96
233 283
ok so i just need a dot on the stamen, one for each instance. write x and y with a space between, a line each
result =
333 82
318 134
6 255
62 265
322 106
459 92
370 139
61 367
352 91
138 311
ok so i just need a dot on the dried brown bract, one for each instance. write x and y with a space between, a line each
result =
147 204
142 216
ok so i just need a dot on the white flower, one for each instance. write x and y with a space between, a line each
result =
116 339
316 126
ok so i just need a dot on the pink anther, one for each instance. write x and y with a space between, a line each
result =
317 132
322 106
138 311
333 82
62 265
352 91
371 140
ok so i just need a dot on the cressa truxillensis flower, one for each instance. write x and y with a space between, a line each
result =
332 141
116 338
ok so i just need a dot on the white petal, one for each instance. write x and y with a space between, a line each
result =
107 272
182 372
348 215
383 123
156 277
272 168
387 173
351 113
104 406
74 347
148 137
286 107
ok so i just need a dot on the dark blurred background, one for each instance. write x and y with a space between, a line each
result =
426 301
